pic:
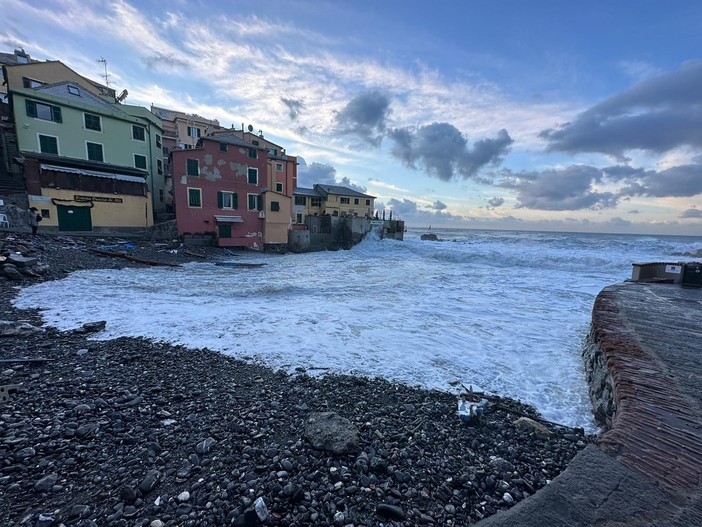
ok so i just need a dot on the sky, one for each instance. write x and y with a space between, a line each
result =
542 115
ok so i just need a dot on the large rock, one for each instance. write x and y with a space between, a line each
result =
11 272
331 432
21 261
11 328
529 425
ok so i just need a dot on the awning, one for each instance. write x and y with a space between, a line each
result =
94 173
229 219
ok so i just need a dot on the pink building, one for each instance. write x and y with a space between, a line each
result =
218 188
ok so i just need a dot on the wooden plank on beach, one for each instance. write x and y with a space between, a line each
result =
113 254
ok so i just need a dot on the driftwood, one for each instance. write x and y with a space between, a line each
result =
237 264
113 254
190 253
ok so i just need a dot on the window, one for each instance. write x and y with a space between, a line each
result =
140 161
272 152
344 201
279 167
92 122
160 195
48 144
138 133
227 200
158 141
95 151
367 202
275 206
45 213
279 187
193 167
195 197
31 83
355 201
254 201
43 111
253 176
73 90
315 202
299 218
253 154
254 142
223 147
225 230
159 167
300 200
193 132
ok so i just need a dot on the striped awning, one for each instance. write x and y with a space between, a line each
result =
228 219
93 173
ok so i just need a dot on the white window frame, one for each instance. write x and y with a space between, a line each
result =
231 199
247 175
134 126
248 201
279 167
188 189
58 147
102 148
194 131
91 129
73 90
146 162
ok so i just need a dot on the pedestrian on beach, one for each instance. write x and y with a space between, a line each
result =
34 218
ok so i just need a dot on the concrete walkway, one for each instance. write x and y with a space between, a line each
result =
646 470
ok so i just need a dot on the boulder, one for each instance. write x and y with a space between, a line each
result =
11 328
11 272
331 432
430 236
21 261
529 425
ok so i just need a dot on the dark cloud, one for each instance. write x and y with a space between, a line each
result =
634 212
318 173
365 116
441 150
656 114
495 202
438 205
293 106
160 60
569 188
679 181
691 213
403 208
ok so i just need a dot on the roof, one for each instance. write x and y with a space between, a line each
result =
301 191
340 191
231 139
84 96
71 162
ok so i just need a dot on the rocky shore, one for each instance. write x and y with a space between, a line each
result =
135 433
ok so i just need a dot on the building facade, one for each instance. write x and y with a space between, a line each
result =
332 200
219 190
70 130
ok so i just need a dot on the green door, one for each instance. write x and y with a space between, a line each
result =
71 218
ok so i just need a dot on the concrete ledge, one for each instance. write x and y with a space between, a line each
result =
647 469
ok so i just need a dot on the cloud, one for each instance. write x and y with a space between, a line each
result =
443 151
322 174
365 116
437 205
656 115
679 181
569 188
495 202
691 213
293 106
168 60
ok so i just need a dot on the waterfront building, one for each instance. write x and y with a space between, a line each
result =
332 200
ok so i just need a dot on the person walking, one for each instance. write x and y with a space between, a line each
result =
34 218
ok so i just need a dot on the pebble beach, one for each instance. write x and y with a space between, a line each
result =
130 432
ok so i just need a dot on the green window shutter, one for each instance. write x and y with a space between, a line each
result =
235 201
193 167
31 108
259 202
56 114
220 200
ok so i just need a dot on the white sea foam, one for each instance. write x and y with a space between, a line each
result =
505 311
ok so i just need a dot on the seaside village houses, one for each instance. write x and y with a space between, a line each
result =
73 149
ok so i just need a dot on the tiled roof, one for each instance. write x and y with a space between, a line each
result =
232 140
301 191
60 89
341 191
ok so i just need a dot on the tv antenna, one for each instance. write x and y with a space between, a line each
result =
106 75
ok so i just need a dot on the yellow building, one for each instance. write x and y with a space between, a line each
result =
333 200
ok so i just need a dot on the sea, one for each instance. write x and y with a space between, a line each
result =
506 312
